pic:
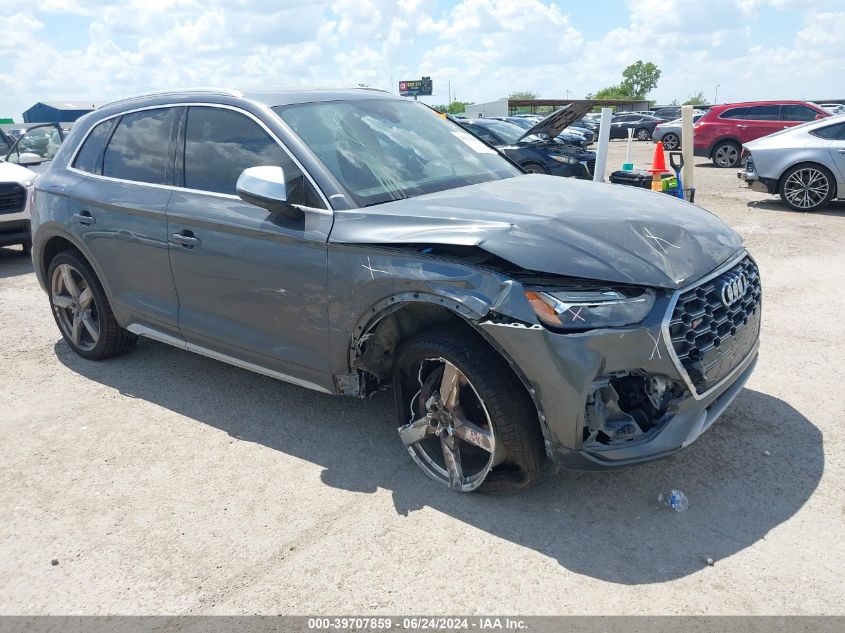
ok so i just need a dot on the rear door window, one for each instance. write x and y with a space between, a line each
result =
139 149
763 113
220 144
90 156
798 113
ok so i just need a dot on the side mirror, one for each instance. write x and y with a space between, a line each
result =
29 159
265 187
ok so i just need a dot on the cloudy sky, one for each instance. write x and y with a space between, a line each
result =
98 50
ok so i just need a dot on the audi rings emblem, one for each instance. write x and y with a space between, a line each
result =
734 289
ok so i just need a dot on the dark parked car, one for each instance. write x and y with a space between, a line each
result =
642 124
351 241
535 153
6 142
572 135
669 114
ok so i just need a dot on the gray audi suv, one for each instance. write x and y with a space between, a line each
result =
349 241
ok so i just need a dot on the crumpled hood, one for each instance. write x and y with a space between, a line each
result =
557 226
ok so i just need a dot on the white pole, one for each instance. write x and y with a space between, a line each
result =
604 141
687 176
628 149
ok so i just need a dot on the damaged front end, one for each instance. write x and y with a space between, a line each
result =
628 407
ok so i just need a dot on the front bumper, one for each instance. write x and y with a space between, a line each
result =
570 170
15 231
566 372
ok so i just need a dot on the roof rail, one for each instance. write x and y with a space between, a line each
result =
167 93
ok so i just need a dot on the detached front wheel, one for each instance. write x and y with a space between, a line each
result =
466 419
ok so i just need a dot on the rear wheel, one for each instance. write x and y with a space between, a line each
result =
726 154
466 419
642 134
82 310
671 141
806 187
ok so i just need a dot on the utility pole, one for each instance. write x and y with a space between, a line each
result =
716 97
450 94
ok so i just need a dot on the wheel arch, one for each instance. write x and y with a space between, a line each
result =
397 318
813 163
723 139
60 241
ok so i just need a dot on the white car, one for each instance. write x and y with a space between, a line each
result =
15 198
804 164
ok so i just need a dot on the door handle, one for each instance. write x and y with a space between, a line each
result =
186 239
742 127
85 218
841 151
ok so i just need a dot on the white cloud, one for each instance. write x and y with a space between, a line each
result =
486 48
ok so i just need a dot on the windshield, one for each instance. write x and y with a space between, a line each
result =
383 149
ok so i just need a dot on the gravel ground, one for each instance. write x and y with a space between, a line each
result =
165 482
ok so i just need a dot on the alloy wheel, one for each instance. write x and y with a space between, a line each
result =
642 135
670 142
450 434
76 311
726 156
806 188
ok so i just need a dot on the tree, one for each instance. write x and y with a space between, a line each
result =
456 107
522 94
640 78
696 99
612 92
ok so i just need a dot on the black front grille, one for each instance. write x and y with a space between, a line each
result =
711 338
12 197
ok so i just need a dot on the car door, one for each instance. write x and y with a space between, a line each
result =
39 144
251 283
795 113
834 136
760 120
119 213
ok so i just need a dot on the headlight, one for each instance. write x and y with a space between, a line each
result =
590 309
568 160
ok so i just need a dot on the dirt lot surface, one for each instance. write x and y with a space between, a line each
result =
164 482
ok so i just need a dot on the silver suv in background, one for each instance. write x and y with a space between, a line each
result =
350 241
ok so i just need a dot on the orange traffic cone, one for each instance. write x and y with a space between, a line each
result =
658 167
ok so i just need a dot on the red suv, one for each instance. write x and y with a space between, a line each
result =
720 133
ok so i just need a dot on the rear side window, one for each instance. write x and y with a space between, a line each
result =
90 154
831 132
139 149
733 113
798 113
220 144
763 113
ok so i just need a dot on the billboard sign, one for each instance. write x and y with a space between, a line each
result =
415 87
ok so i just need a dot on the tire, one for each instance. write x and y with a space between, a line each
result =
534 168
807 187
80 313
642 134
671 141
726 154
505 454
